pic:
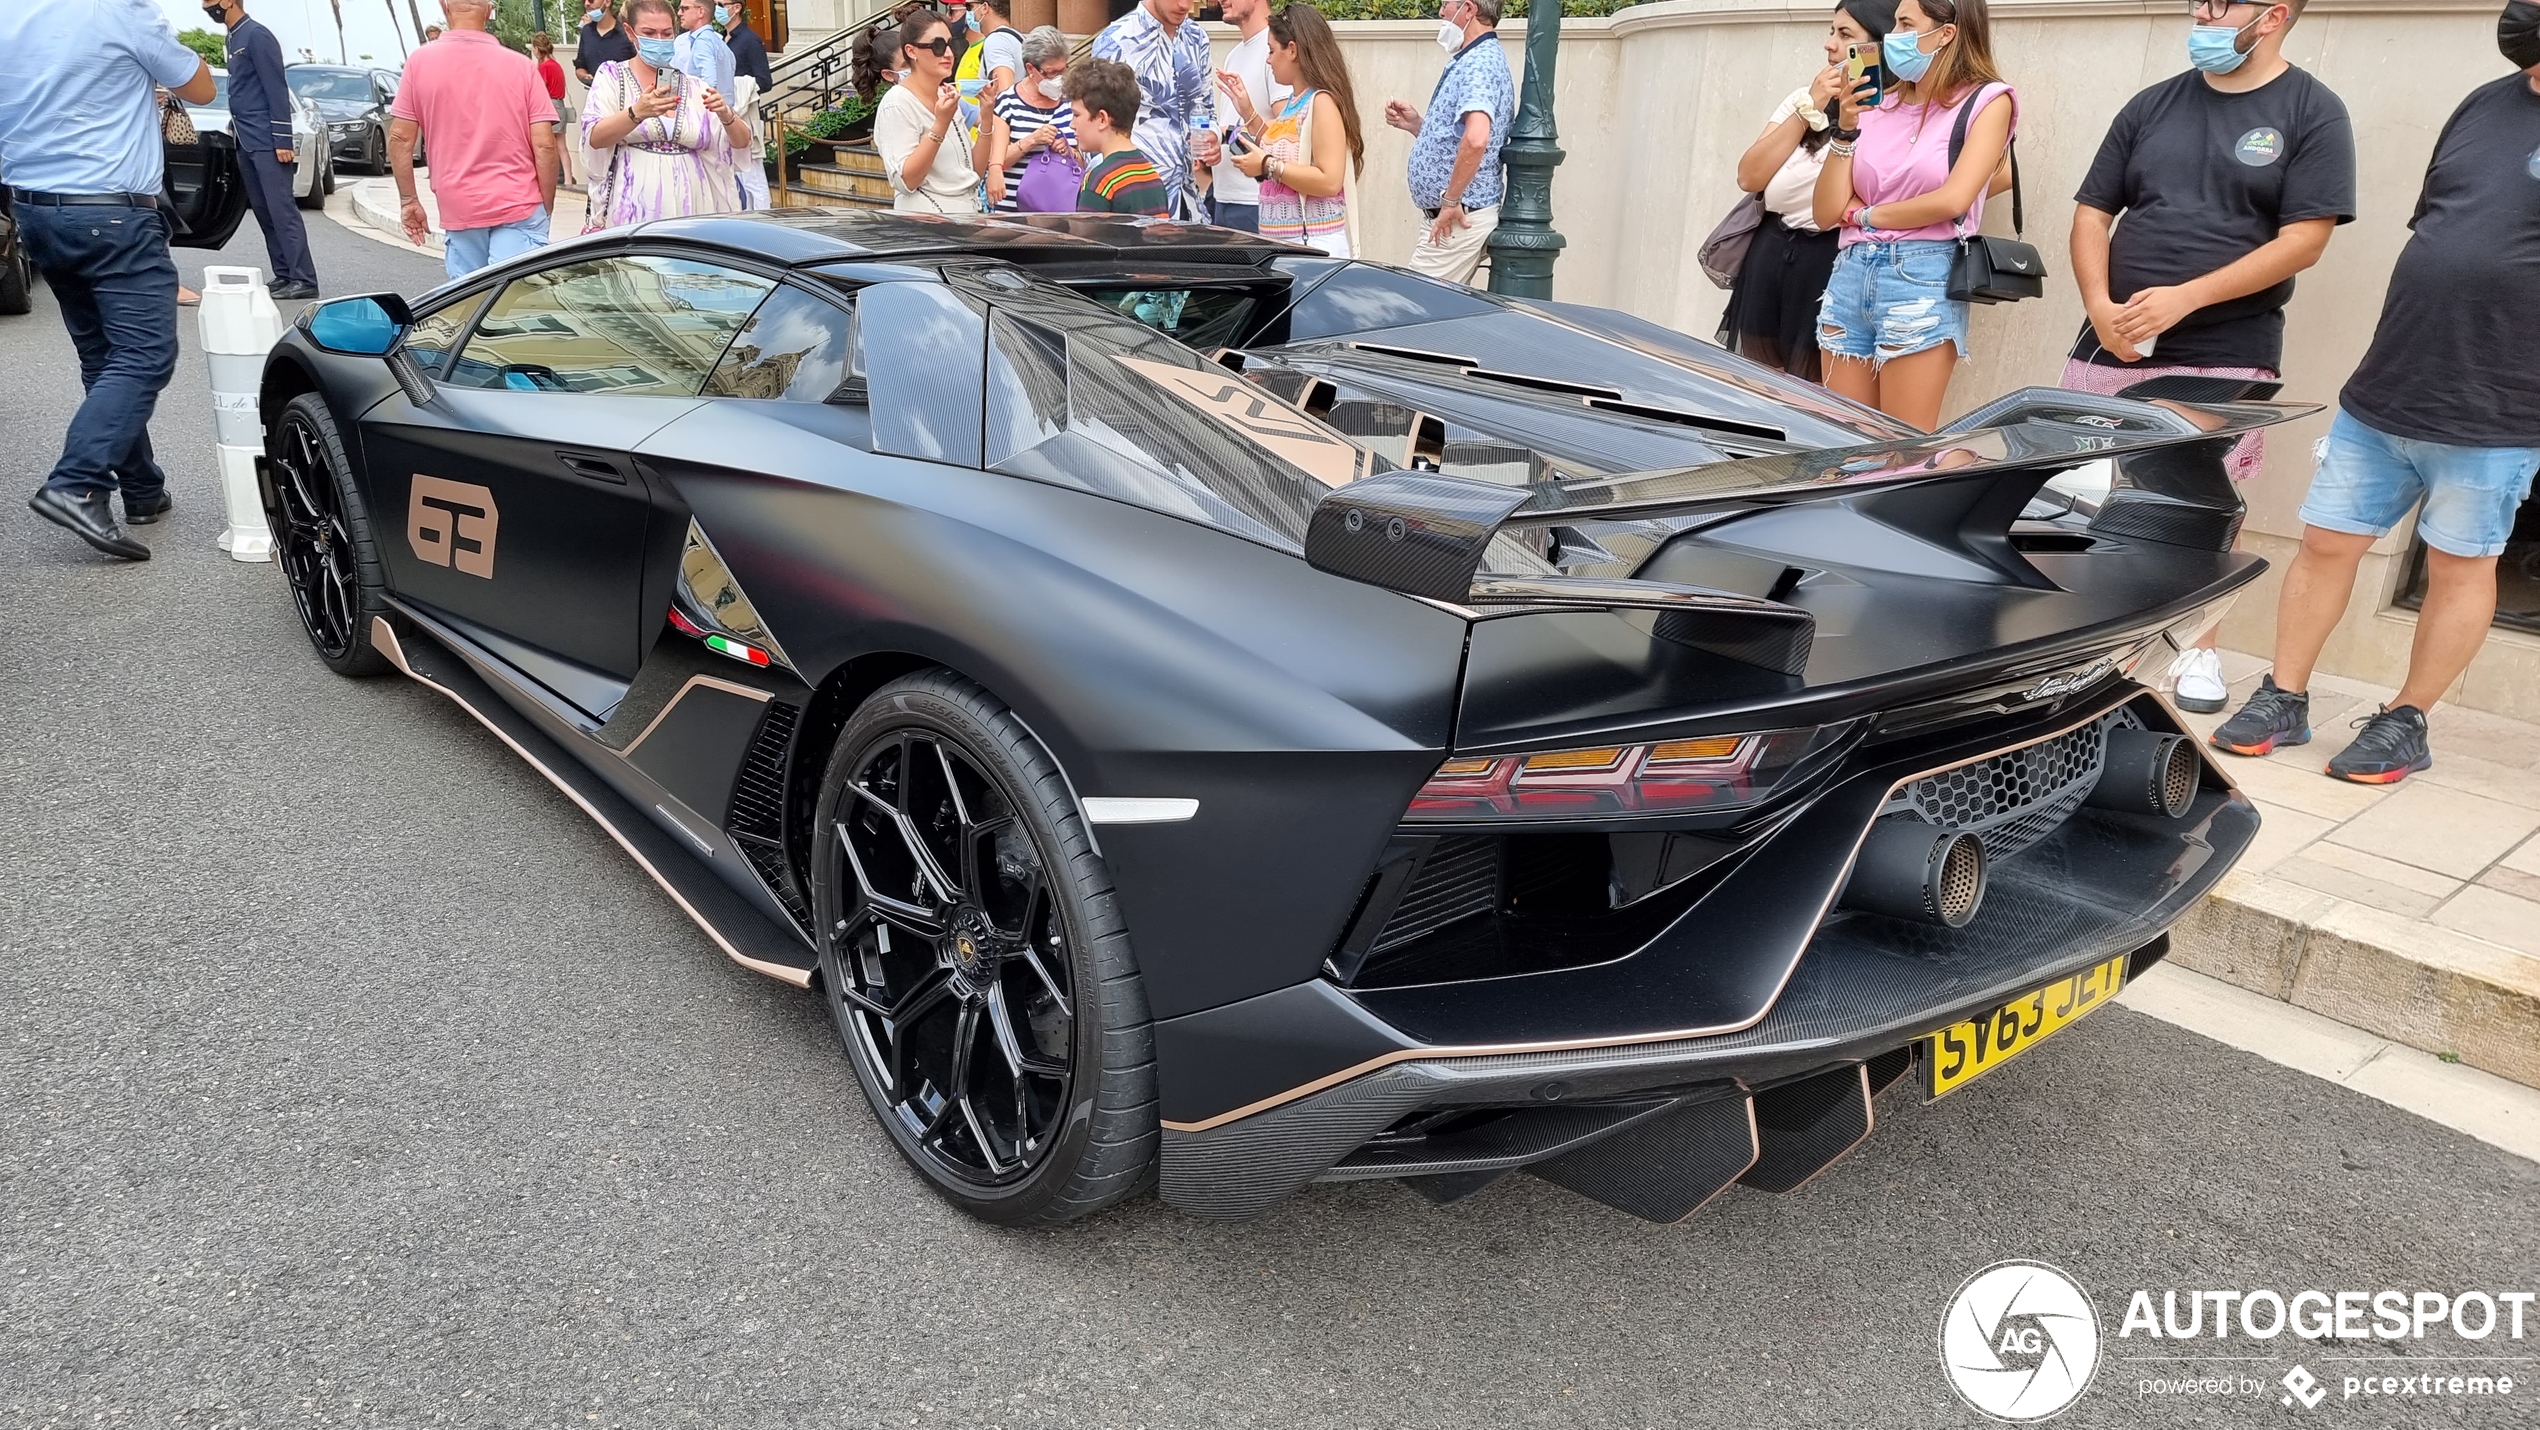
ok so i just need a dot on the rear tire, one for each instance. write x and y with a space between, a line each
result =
975 960
322 538
315 198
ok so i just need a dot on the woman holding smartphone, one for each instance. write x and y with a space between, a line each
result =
661 145
914 126
1890 332
1302 151
1772 314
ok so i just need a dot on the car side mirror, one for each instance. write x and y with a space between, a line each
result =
368 326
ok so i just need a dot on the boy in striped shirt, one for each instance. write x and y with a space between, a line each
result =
1103 100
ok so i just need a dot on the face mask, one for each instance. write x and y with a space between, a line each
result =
660 54
1903 52
2215 49
722 15
2518 34
217 13
593 17
1450 36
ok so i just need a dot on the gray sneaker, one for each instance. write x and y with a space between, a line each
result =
2391 748
2272 717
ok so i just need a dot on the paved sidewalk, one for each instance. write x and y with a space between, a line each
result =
2412 910
375 204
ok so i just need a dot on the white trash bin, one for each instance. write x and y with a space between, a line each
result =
239 325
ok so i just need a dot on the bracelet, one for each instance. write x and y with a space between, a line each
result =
938 138
1840 148
1848 136
1861 217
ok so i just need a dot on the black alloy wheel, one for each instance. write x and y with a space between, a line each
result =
322 537
975 962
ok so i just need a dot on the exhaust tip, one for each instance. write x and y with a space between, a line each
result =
1910 870
2148 773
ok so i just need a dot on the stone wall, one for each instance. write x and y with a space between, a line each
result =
1655 105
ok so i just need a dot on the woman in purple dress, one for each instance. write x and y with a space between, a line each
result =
662 145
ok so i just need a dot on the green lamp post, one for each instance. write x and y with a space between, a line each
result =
1523 247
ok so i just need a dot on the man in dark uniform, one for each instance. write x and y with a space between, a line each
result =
79 136
260 120
603 40
749 52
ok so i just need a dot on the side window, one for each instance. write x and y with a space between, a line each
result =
797 348
640 326
429 341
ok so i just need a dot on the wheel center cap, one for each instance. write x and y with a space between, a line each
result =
972 944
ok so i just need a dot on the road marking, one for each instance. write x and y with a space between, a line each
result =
2490 1108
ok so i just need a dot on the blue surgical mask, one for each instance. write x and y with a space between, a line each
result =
660 54
2215 49
593 17
1903 51
722 15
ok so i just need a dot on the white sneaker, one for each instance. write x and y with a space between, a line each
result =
2196 682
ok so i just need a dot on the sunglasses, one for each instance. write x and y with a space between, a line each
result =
939 46
2220 9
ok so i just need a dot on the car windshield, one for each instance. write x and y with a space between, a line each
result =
330 84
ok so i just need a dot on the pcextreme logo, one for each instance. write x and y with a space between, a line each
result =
452 524
2020 1341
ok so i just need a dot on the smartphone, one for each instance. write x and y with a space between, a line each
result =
1861 61
1241 138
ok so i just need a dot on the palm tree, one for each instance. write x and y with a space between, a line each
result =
417 16
343 55
396 29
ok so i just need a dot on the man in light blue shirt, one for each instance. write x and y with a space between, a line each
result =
80 148
702 54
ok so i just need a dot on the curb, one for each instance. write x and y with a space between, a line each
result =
375 203
2411 982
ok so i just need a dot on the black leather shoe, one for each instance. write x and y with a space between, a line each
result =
142 513
293 292
91 519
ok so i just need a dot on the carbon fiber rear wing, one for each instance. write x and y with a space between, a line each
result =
1424 533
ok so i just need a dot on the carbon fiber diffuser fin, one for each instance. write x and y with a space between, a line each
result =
1665 1169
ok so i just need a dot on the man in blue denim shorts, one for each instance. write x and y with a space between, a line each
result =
2443 413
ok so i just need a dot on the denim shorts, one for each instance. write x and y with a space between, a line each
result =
1891 300
2368 479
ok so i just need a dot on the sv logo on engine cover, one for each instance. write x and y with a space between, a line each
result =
452 524
2065 682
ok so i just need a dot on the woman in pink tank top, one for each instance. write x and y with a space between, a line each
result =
1890 334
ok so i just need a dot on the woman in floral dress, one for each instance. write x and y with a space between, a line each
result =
662 145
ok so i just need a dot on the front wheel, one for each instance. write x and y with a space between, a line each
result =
322 537
975 960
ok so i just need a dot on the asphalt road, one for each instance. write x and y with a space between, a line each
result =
348 1076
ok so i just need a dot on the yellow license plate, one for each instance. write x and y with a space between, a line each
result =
1962 1052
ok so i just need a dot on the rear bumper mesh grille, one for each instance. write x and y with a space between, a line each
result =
1459 879
2016 798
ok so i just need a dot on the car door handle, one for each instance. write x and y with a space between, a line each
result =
595 468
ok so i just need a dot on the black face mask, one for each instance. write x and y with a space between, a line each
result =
2518 34
219 14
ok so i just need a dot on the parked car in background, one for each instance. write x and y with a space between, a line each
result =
17 272
352 102
315 178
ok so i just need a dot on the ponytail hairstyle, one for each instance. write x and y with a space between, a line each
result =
1967 61
1318 57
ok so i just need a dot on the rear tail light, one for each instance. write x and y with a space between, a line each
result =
1711 773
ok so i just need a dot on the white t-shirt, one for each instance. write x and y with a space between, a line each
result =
1792 193
1251 59
900 123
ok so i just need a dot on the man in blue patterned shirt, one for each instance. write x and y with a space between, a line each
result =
1168 52
1455 173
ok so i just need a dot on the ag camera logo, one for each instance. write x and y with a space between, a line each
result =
2020 1341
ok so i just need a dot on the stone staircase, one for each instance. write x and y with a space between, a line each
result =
856 179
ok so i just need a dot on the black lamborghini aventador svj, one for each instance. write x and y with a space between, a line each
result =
1202 712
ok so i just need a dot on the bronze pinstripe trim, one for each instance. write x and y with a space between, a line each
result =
384 636
1405 1055
710 683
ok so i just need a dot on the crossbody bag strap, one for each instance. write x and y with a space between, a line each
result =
1958 145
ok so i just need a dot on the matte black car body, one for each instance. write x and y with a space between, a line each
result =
1640 1005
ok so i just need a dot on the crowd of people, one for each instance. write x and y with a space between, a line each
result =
2210 192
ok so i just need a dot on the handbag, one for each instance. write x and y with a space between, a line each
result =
1051 181
176 126
1723 254
1994 270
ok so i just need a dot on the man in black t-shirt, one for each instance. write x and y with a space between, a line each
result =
2444 410
2230 177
